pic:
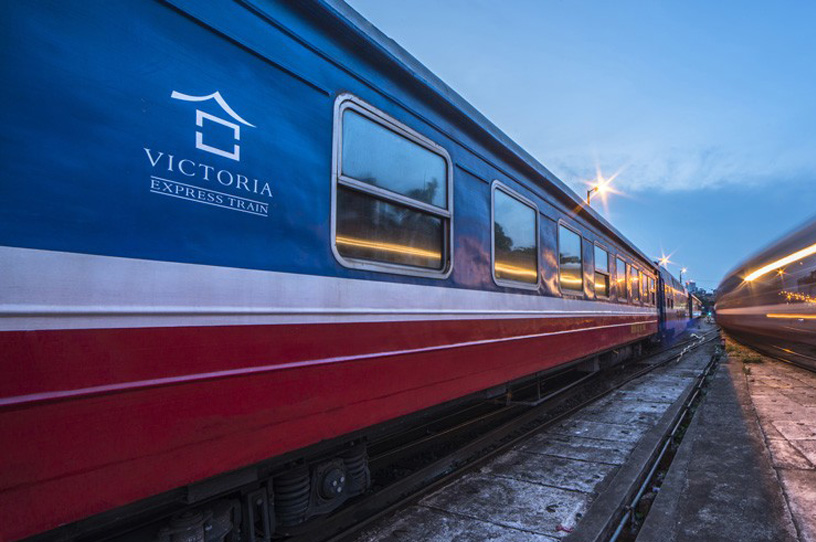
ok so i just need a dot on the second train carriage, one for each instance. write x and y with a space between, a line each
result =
229 232
674 305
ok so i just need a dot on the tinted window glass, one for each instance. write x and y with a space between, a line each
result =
379 156
601 284
515 240
569 259
601 260
620 278
601 272
372 229
634 279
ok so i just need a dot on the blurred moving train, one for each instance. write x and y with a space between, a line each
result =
237 238
768 302
695 306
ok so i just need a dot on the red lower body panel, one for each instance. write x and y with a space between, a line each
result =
95 419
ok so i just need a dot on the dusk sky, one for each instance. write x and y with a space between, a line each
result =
706 109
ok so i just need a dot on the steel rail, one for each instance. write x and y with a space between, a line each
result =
668 438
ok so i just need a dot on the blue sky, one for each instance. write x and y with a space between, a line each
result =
707 109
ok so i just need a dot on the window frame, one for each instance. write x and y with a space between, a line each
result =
348 101
570 293
608 273
498 185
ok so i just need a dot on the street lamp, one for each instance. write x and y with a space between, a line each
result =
683 270
599 188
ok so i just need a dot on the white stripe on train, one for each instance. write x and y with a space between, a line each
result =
44 289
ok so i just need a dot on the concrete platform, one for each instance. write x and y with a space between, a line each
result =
746 469
543 489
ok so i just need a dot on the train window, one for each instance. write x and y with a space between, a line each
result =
601 272
372 229
634 281
392 195
378 156
644 288
570 261
629 293
515 238
620 279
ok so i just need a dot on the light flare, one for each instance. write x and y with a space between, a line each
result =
571 280
797 296
602 186
781 262
516 270
388 247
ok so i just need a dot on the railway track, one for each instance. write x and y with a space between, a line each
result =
432 456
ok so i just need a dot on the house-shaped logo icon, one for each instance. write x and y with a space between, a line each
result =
201 116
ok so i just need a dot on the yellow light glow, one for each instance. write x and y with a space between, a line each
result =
515 270
387 247
570 280
791 316
781 262
796 296
601 185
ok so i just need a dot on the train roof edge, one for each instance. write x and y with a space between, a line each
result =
666 274
401 58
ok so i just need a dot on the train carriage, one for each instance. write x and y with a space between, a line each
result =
232 231
768 301
695 306
674 305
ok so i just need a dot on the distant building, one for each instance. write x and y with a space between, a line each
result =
691 286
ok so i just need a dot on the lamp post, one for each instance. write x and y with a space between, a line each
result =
599 188
683 270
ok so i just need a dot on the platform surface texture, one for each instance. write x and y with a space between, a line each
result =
746 469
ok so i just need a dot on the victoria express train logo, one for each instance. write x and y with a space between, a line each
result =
194 177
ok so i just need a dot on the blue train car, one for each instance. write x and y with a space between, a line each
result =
673 303
232 231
